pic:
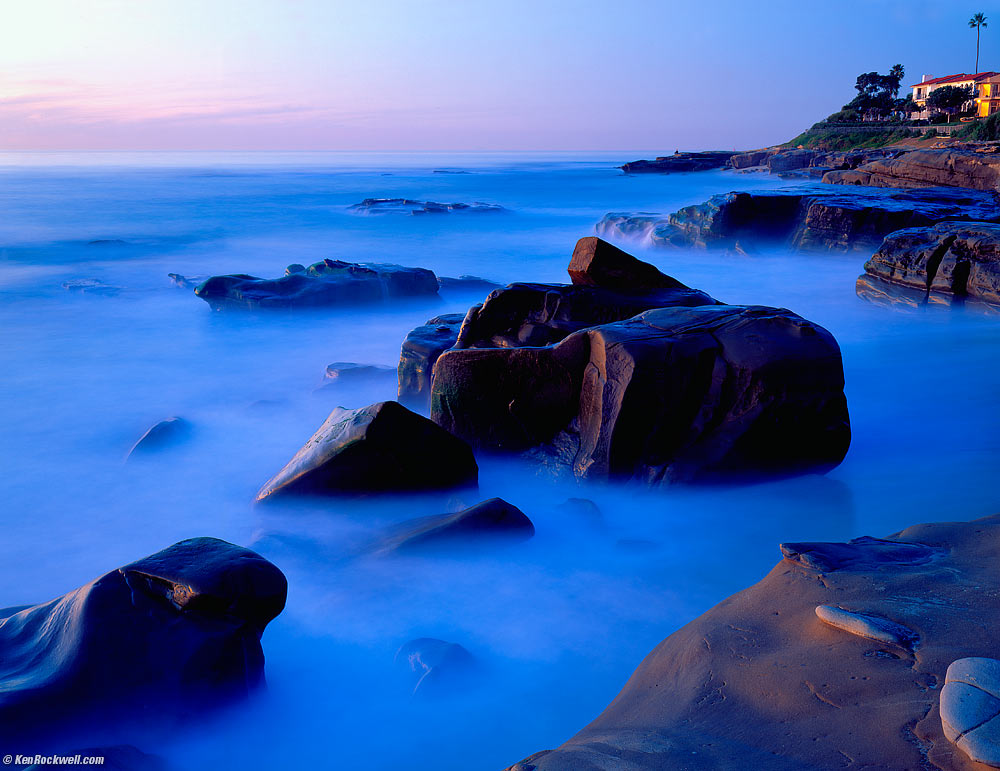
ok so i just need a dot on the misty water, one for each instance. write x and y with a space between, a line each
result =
558 623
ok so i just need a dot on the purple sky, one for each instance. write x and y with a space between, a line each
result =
442 75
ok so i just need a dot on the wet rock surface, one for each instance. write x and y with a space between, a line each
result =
160 639
761 682
380 448
488 523
953 258
419 351
807 218
326 283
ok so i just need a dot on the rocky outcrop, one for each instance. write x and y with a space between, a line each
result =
166 433
156 640
420 350
971 166
467 283
760 681
658 385
380 448
350 372
703 161
954 259
408 206
808 218
186 282
485 523
751 159
326 283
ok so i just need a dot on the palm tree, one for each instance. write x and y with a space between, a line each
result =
977 21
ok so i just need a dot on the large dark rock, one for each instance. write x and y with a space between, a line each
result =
809 218
380 448
432 667
970 166
156 640
958 259
420 350
330 282
696 161
487 522
167 433
595 262
673 394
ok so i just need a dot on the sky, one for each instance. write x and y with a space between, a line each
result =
443 75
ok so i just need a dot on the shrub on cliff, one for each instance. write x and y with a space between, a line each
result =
985 131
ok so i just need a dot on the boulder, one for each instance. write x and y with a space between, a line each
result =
157 640
672 394
595 262
433 667
696 161
957 259
380 448
954 166
326 283
760 682
488 522
409 206
420 350
166 433
751 159
349 372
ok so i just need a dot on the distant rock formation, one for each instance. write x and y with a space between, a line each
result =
970 166
703 161
326 283
157 640
409 206
761 681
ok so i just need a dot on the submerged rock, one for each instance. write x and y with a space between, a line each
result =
695 161
487 522
330 282
159 639
380 448
91 286
408 206
970 708
952 258
186 282
434 667
166 433
757 682
420 350
808 218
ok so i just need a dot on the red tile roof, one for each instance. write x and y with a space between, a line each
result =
962 76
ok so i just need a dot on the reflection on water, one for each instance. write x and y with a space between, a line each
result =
557 623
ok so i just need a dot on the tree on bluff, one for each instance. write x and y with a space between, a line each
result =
949 99
876 93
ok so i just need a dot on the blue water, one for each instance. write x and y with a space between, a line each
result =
558 623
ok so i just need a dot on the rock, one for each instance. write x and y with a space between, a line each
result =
952 258
157 640
595 262
703 161
91 286
865 553
107 242
420 350
295 267
970 708
757 682
673 394
864 625
434 667
186 282
408 206
349 372
954 166
487 522
584 510
380 448
469 283
751 159
166 433
807 218
326 283
789 160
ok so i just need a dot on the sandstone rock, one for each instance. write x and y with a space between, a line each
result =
433 667
595 262
166 433
703 161
751 159
159 639
408 206
757 683
295 267
865 625
420 350
955 166
970 708
953 258
330 282
380 448
789 160
865 553
673 394
487 522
